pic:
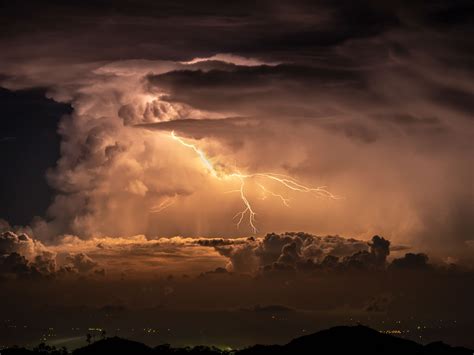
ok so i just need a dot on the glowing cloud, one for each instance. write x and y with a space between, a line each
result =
287 182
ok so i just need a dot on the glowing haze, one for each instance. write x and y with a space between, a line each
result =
285 181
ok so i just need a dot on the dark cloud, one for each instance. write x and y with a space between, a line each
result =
301 252
80 262
25 257
306 252
15 265
285 30
45 263
240 127
270 91
292 92
411 261
456 99
244 28
11 242
217 242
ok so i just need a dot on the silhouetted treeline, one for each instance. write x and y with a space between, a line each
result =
338 340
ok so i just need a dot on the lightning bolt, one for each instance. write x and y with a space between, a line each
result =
167 202
248 208
286 181
199 152
266 191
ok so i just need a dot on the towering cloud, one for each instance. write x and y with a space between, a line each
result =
358 99
24 257
305 252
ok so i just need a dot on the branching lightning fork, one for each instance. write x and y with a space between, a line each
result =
286 181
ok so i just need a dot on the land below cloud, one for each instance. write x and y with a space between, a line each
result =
227 291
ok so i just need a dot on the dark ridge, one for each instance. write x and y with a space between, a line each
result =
114 345
347 339
338 340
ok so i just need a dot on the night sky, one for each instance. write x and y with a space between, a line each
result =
290 164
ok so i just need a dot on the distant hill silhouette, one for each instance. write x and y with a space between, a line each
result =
338 340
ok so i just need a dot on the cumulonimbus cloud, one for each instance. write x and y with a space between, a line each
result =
382 114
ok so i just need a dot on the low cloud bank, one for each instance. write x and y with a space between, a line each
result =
22 256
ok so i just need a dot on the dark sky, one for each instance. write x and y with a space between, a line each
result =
30 145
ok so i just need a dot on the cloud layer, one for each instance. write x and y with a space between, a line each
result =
138 257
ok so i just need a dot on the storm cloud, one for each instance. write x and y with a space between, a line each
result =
373 101
27 258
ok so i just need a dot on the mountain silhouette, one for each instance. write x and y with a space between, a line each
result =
338 340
